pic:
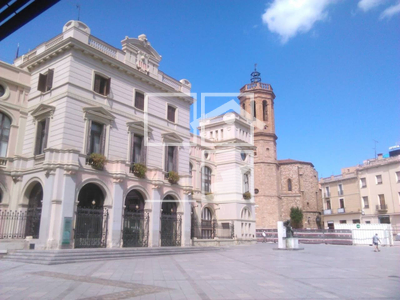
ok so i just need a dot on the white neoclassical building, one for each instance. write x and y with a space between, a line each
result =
92 138
96 151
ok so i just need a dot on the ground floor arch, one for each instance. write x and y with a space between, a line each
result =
91 218
171 222
135 231
34 210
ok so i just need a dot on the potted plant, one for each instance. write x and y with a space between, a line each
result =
247 195
139 170
173 177
97 161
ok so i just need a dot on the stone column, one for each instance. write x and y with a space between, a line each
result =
154 239
68 202
186 220
46 209
117 212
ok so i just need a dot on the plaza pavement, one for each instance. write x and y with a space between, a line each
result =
241 272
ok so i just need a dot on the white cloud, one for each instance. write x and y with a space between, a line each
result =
367 5
290 17
390 11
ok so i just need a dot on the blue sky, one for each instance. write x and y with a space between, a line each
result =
333 64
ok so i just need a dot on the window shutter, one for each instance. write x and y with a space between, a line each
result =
144 151
166 159
38 133
97 83
175 159
42 83
88 135
46 133
131 149
108 83
103 140
49 79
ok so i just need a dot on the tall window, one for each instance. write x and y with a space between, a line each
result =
289 185
246 183
340 189
5 124
101 84
341 203
254 109
363 182
327 192
365 202
46 81
206 180
206 224
41 136
138 149
139 100
171 113
382 200
171 158
378 179
328 204
97 137
265 110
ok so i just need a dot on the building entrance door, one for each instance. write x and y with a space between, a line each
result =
91 218
34 211
171 223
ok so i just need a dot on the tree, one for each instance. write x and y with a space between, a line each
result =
296 217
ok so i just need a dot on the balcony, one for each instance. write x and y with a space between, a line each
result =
3 161
340 210
327 211
340 193
327 195
382 208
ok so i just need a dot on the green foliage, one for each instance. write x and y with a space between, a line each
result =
139 170
247 195
296 217
173 177
97 161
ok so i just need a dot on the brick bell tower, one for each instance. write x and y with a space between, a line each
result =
257 104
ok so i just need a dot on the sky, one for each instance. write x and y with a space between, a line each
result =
333 64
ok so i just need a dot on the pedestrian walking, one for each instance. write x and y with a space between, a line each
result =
375 241
264 237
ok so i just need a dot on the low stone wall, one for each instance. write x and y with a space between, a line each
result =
222 242
311 236
14 244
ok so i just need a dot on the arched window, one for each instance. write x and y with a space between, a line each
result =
190 168
245 183
265 110
206 180
254 109
5 124
206 214
289 185
244 106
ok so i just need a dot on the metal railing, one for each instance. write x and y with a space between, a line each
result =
381 207
341 210
19 224
212 229
327 211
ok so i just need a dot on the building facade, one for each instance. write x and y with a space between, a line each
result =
368 193
279 184
92 140
221 162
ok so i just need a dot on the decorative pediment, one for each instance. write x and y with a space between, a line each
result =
141 44
172 137
98 113
43 110
138 126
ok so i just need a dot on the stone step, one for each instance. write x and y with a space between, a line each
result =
81 255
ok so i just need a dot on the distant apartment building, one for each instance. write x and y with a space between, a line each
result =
368 193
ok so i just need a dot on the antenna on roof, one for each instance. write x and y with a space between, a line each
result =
375 141
78 6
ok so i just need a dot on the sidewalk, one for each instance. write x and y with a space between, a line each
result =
242 272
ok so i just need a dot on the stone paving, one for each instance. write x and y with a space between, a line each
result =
242 272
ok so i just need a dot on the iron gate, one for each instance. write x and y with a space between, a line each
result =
171 230
91 228
135 232
33 222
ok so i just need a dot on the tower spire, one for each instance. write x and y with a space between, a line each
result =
255 76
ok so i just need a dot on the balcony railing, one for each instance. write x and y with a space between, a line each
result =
327 195
327 211
340 210
3 161
340 193
381 207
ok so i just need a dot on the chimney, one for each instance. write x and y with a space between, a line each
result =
380 156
